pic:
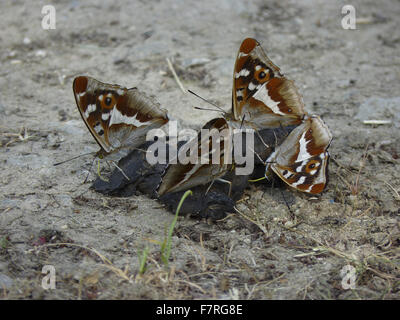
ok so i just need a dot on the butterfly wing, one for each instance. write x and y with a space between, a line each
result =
301 160
117 117
261 93
205 165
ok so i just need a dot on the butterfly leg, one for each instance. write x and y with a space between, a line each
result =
122 171
228 182
220 180
262 140
90 169
209 187
258 156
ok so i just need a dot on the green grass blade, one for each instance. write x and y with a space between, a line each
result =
167 248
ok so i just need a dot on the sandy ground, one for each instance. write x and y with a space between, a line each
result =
346 76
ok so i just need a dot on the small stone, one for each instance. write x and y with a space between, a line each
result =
353 198
5 281
12 54
247 241
26 41
289 224
40 53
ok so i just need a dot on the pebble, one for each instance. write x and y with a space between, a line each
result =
26 41
12 54
5 281
40 53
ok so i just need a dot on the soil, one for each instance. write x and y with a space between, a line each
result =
280 244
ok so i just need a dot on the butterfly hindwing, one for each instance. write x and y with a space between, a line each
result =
301 160
308 175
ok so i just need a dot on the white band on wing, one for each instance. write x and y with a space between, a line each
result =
90 108
303 153
263 96
117 118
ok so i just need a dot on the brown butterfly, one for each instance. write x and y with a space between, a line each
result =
208 157
118 118
267 99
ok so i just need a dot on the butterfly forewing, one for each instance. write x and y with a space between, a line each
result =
117 117
260 92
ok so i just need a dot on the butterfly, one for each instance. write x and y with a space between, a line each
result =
302 158
118 118
208 157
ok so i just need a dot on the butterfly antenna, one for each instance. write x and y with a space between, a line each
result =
81 155
205 100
